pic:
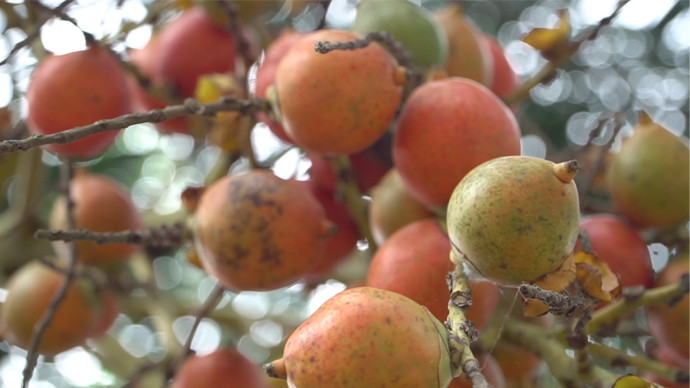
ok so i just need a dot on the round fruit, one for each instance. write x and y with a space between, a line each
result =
267 72
340 102
259 232
411 25
649 179
100 205
621 247
446 129
367 168
515 218
75 89
517 364
670 325
504 78
224 368
468 54
414 262
109 312
491 371
392 207
367 338
30 291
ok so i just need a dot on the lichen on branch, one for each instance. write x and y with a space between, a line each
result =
164 236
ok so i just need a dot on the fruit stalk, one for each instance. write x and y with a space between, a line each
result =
618 358
163 236
578 340
461 331
559 303
605 320
190 107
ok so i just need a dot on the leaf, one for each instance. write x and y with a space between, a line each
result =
211 88
549 40
560 280
631 381
596 278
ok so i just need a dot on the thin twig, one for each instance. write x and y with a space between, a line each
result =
164 236
211 302
234 28
558 303
36 31
621 358
66 173
578 341
190 107
64 16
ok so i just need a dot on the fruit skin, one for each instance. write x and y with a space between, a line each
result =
101 205
366 166
75 89
392 207
514 219
446 129
354 340
671 325
267 72
649 178
411 25
491 371
224 368
468 54
109 312
259 232
340 102
504 78
30 291
621 247
414 262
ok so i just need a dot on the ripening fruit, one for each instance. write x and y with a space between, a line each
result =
30 291
468 54
100 205
75 89
392 207
224 368
515 218
518 365
414 262
446 129
340 102
670 325
621 247
504 78
411 25
267 72
367 338
108 314
367 167
259 232
491 371
649 178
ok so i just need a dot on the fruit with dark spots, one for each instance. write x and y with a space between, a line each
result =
649 179
621 247
491 371
392 207
515 218
446 129
347 342
259 232
340 102
414 262
670 325
224 368
75 89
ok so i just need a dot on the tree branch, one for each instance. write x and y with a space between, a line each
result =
620 358
90 39
190 107
558 303
164 236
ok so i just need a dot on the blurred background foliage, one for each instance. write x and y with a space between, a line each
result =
641 61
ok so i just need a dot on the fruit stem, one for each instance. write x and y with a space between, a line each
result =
566 171
616 357
276 369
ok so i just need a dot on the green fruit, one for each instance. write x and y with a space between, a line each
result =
515 218
648 178
409 24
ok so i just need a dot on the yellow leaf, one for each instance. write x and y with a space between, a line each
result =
631 381
596 277
548 39
557 281
211 87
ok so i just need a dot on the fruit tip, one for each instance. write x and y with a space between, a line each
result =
329 229
400 76
566 171
276 369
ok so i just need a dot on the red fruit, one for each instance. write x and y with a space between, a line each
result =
338 247
517 364
491 371
76 89
30 291
224 368
621 247
265 76
101 205
670 325
505 79
446 129
367 168
259 232
108 314
414 262
340 102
